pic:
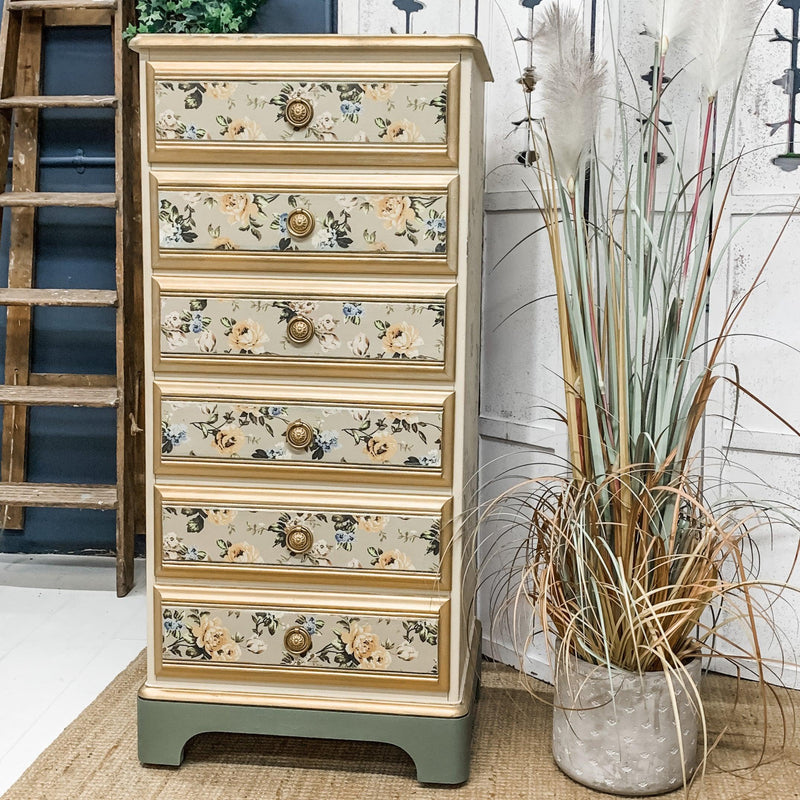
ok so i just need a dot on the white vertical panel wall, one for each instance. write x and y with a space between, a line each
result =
520 358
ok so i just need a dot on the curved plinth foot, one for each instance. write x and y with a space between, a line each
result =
439 746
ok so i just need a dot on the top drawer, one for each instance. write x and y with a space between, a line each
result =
294 113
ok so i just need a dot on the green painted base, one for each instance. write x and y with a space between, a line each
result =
439 746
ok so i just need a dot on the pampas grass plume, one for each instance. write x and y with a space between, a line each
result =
570 86
668 20
720 41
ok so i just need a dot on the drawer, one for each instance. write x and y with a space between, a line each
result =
246 430
279 219
211 634
362 113
233 534
399 328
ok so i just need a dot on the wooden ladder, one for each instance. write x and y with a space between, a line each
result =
21 36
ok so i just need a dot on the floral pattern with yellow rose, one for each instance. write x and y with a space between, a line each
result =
242 129
394 559
220 90
395 211
341 435
356 541
229 440
215 639
254 637
342 111
245 336
403 131
239 552
258 221
401 340
381 447
245 326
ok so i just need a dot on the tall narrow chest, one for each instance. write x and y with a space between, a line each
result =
312 230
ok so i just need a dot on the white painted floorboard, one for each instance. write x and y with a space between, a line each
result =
66 636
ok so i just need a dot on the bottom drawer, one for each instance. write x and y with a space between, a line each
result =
224 635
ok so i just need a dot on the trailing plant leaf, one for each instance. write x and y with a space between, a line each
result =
192 16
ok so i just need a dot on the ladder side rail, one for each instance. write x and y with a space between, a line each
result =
19 319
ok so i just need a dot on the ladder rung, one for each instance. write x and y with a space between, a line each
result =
47 5
71 379
75 199
57 297
95 397
58 495
60 101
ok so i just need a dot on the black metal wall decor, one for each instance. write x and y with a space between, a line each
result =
408 7
790 83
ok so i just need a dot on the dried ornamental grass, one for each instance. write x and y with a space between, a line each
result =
627 560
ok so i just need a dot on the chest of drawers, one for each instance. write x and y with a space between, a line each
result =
313 217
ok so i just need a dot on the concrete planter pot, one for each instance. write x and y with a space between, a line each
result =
616 731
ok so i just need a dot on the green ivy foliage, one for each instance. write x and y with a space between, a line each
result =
192 16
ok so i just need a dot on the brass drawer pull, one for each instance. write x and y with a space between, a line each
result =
300 329
299 434
299 112
297 641
300 223
299 539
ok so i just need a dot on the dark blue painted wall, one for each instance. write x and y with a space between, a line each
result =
75 249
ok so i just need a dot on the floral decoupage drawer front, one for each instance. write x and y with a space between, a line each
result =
230 639
302 223
231 541
254 327
406 223
273 431
304 114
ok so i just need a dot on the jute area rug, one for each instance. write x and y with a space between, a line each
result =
95 757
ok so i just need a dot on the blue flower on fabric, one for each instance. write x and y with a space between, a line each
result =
192 554
349 108
345 537
171 625
191 132
282 223
172 233
276 411
352 310
437 224
326 441
196 324
310 625
176 434
326 239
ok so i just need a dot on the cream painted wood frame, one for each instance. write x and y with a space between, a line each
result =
454 168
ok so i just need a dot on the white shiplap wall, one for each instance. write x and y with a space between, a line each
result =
520 357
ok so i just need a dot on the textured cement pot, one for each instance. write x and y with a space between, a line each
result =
616 731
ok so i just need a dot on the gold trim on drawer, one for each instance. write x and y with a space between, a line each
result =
231 635
322 146
234 534
415 415
200 324
429 706
237 219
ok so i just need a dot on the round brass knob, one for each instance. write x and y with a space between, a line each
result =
299 539
299 112
299 434
297 641
300 329
300 223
